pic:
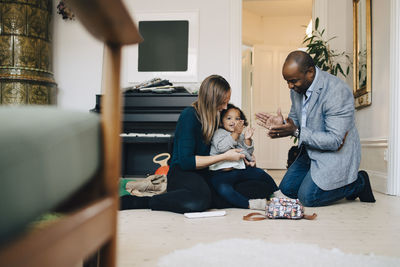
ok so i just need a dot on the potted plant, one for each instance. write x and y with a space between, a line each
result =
324 57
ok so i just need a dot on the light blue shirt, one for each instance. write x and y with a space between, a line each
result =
306 99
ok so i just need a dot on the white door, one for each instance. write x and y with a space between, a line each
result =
270 91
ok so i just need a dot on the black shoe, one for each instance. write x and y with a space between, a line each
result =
366 194
352 197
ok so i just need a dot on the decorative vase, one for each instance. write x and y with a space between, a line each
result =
26 75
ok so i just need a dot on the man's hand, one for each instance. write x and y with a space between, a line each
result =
262 118
344 139
282 130
233 154
276 120
268 120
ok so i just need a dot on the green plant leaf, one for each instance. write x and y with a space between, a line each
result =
326 54
307 39
324 57
340 69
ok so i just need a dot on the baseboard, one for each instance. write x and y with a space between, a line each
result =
378 181
374 161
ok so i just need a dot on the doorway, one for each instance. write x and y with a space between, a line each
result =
270 31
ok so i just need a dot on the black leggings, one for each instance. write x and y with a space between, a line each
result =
191 191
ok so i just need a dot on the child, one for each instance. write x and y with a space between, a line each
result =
225 175
230 136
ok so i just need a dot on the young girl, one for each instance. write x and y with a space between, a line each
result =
233 122
228 173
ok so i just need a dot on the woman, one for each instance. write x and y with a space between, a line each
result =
188 188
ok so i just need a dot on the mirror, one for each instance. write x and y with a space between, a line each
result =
362 53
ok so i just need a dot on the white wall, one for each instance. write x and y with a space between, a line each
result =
378 112
287 31
275 31
252 28
373 121
77 63
78 57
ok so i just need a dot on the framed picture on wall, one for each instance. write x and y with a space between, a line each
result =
169 51
362 67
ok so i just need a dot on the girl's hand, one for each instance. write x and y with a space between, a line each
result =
239 126
251 163
248 133
233 154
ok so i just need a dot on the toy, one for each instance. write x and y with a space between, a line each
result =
164 168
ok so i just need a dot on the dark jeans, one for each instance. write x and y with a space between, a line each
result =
191 191
224 183
297 183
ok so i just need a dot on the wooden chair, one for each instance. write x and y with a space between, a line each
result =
91 218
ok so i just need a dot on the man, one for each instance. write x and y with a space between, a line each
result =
322 118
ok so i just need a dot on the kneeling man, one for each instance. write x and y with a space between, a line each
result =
322 118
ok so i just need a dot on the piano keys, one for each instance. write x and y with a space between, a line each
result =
148 126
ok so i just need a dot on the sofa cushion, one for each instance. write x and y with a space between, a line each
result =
46 154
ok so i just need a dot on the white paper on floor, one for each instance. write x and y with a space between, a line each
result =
250 252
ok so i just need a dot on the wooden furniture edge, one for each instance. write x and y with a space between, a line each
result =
65 242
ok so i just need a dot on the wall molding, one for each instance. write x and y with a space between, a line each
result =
374 142
374 154
378 181
394 96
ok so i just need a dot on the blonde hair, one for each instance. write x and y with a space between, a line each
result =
212 94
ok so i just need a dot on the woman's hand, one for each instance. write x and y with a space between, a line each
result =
205 161
233 154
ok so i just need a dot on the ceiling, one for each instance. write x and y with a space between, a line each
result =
274 8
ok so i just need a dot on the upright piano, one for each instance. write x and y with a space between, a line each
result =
149 121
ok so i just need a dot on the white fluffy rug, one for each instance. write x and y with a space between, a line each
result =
247 252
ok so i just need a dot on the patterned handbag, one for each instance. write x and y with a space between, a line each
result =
281 208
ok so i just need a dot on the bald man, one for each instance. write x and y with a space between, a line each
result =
322 118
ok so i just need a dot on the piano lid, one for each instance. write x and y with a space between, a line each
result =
149 112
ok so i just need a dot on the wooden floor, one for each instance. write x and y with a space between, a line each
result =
352 226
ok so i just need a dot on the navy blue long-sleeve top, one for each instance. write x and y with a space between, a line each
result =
188 141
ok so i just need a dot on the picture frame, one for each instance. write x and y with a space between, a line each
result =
362 53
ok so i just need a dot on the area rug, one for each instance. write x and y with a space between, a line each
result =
248 252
